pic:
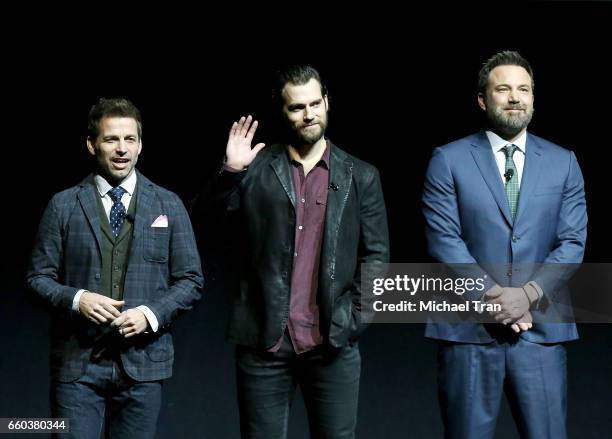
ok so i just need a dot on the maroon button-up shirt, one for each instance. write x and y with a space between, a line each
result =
310 205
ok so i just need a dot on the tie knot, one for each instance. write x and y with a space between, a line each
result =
509 150
116 193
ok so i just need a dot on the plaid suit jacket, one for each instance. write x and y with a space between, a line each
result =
163 273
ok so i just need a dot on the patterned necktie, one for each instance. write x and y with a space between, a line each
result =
511 179
117 213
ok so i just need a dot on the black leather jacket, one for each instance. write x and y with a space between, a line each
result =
259 203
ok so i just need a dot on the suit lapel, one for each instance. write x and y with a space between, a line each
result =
145 197
280 165
483 155
341 174
87 197
531 174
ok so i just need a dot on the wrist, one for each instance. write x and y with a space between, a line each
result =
531 293
232 166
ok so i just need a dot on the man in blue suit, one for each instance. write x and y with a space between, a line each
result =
116 260
505 198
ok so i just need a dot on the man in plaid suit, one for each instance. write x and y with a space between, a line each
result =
116 259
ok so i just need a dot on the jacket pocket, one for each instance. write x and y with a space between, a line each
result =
160 351
156 244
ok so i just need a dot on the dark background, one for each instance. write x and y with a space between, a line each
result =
401 82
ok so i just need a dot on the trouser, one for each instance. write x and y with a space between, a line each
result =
472 379
328 379
106 396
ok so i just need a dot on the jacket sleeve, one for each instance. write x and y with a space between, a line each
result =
43 273
186 279
571 233
443 224
373 250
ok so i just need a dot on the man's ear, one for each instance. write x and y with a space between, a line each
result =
91 147
481 102
326 102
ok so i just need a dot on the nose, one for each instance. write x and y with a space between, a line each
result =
308 114
513 96
121 147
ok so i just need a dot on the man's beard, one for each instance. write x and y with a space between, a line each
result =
303 136
508 125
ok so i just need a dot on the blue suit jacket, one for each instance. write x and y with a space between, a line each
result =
163 273
468 220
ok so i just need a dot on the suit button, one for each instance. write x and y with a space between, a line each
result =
97 276
515 238
509 273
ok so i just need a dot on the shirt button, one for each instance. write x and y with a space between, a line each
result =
300 227
295 254
303 200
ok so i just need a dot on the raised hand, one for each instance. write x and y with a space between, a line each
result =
239 154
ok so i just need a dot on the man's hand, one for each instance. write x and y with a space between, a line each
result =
525 323
98 308
514 304
131 322
238 154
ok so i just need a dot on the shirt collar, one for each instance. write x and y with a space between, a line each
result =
324 158
498 143
103 186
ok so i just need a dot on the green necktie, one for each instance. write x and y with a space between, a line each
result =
511 179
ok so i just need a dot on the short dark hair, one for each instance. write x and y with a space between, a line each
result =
114 107
505 58
298 74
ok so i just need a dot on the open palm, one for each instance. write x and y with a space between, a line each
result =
239 153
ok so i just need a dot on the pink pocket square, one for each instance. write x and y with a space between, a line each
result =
160 221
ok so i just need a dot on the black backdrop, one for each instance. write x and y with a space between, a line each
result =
401 83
